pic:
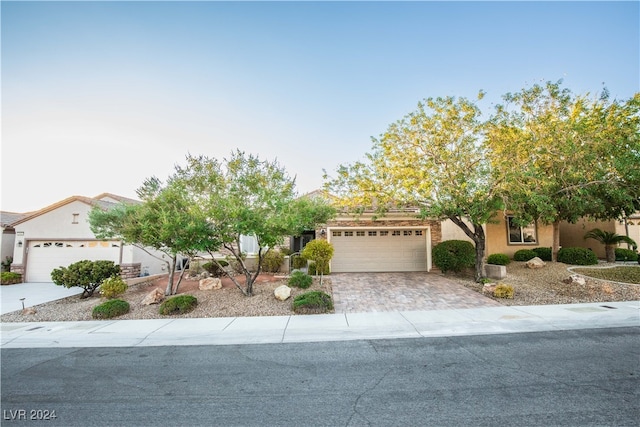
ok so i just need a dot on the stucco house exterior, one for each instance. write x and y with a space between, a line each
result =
572 235
59 235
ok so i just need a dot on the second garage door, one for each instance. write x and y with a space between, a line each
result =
379 250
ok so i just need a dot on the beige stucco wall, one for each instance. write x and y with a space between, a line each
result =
572 235
497 241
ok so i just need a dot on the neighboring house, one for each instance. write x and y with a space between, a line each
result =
572 235
503 236
59 235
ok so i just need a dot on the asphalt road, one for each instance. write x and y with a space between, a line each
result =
575 378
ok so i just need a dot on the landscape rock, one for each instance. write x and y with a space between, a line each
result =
575 279
536 262
489 288
29 311
153 297
282 292
210 284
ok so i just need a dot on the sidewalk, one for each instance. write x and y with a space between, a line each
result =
329 327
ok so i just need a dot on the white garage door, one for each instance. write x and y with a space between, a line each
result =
379 250
45 256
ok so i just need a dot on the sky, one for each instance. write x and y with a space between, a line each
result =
98 96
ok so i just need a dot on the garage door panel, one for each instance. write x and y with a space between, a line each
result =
389 251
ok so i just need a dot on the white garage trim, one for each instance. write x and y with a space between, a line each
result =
380 249
43 256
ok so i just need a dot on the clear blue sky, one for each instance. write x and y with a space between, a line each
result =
98 96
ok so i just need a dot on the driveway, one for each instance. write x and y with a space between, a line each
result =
33 294
375 292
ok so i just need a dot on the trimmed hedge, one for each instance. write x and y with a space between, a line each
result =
626 255
454 255
498 259
113 286
111 308
178 305
312 302
524 255
577 256
543 253
300 280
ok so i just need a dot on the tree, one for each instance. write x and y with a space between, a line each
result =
559 157
320 252
610 241
85 274
243 195
162 222
434 159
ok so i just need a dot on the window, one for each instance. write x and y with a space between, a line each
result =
395 233
248 244
523 235
418 232
348 233
336 233
75 218
360 233
407 232
384 233
373 233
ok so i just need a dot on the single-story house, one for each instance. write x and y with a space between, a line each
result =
8 236
572 235
59 235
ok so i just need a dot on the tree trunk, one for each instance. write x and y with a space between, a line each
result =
556 241
168 291
478 237
610 252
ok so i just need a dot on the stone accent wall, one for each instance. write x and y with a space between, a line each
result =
129 271
435 226
17 268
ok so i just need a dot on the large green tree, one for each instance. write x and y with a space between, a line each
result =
244 195
162 222
433 159
559 156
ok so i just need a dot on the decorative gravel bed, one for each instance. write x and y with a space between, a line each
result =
225 302
544 286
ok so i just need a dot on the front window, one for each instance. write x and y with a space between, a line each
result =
522 235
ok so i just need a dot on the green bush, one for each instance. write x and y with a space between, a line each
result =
109 309
6 264
10 278
213 269
300 280
313 267
498 259
577 256
543 253
179 304
312 302
113 286
626 255
524 255
85 274
454 255
272 261
319 252
298 261
503 291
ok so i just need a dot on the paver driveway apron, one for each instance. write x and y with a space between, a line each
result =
376 292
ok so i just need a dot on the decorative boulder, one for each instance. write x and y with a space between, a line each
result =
489 288
210 284
153 297
29 311
535 263
282 292
575 279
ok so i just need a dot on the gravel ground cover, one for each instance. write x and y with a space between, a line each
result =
544 286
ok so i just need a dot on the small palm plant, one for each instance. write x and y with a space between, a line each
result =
610 241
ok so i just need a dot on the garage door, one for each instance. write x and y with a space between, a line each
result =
379 250
44 256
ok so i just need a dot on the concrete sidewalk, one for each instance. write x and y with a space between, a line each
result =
329 327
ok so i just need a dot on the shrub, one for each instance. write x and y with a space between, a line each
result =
10 278
313 269
109 309
543 253
454 255
320 252
626 255
577 256
503 291
312 302
498 259
214 269
113 286
272 261
179 304
6 264
85 274
298 261
300 280
524 255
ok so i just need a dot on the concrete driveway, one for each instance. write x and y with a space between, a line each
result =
378 292
33 294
